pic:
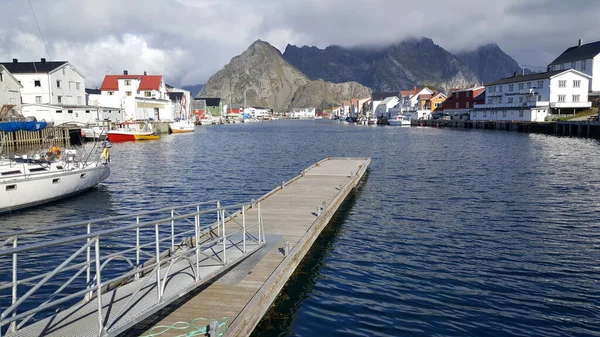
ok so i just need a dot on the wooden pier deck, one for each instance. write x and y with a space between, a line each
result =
296 212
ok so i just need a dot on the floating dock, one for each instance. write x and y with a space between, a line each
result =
201 278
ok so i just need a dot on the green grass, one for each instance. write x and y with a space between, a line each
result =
585 113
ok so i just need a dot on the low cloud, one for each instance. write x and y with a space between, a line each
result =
189 40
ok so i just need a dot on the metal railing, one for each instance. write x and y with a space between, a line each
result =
145 243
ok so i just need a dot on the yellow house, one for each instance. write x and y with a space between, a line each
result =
435 102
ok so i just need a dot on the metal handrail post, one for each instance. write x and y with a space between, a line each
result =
244 227
197 232
218 218
137 247
260 230
88 271
172 231
157 262
224 238
99 286
13 325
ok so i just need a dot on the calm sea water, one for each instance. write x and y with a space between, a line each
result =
452 233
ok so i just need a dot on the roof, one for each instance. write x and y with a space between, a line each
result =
533 77
210 101
175 96
425 96
92 91
466 89
43 66
150 82
576 53
11 75
388 99
379 96
147 82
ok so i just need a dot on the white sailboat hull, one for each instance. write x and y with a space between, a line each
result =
182 126
26 191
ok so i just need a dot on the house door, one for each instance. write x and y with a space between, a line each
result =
156 114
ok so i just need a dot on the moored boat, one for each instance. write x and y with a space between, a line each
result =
131 132
400 120
45 177
182 126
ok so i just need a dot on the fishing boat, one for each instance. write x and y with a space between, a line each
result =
400 120
182 126
126 132
51 175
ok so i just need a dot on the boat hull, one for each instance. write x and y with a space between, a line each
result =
46 188
182 127
130 136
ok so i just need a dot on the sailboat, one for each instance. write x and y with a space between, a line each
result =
48 176
184 124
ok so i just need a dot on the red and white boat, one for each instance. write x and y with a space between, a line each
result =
131 132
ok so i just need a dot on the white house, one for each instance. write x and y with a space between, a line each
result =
256 112
378 97
181 100
48 82
384 107
533 97
304 113
10 88
140 96
582 57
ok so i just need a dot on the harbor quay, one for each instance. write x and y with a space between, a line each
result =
187 272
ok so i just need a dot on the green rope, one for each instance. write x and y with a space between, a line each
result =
198 330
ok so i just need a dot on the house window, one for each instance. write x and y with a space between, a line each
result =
58 111
438 104
510 100
576 84
562 67
63 70
59 99
485 114
583 65
540 84
499 88
474 114
561 98
467 105
528 85
78 86
572 65
521 113
456 95
38 99
79 100
127 82
457 105
489 101
147 93
87 111
503 113
468 94
520 99
575 98
511 87
70 111
521 86
539 98
1 77
128 93
58 83
562 84
37 83
110 93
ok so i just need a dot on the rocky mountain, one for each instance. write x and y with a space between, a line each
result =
268 80
398 66
489 62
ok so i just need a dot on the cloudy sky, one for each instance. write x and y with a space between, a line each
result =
189 40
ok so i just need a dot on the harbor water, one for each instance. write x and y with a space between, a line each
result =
451 233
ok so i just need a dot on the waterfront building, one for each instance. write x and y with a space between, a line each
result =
461 101
584 58
303 113
181 101
378 97
46 82
10 88
202 106
385 108
534 97
65 113
141 97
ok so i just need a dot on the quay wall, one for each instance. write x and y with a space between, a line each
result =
566 129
